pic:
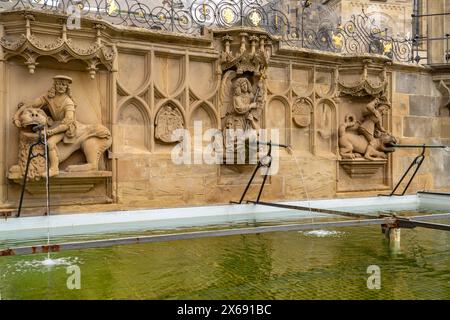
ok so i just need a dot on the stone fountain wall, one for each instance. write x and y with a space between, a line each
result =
137 82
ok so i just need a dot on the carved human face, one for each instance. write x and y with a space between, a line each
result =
383 109
61 87
244 86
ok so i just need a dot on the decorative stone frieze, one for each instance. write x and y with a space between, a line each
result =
31 47
365 86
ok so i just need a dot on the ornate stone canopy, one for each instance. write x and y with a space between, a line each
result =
32 46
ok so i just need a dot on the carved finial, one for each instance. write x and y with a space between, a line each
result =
262 40
268 48
227 37
64 31
99 27
31 64
253 40
92 68
28 17
243 41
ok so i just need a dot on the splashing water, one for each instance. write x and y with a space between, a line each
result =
36 265
47 189
323 233
49 262
291 152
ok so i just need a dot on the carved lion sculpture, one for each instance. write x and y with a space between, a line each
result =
27 118
353 145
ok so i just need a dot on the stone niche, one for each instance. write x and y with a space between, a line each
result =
244 60
35 62
364 111
68 186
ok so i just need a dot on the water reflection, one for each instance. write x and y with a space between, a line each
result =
292 265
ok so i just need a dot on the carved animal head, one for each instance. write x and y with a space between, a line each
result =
386 142
28 117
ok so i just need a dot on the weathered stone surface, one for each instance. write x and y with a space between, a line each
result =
413 83
417 127
400 104
445 127
154 70
427 106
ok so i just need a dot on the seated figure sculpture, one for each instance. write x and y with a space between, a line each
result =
65 135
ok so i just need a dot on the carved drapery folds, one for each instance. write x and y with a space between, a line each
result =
365 87
30 47
244 60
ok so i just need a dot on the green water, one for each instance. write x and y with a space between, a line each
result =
290 265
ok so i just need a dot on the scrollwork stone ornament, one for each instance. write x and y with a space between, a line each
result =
168 119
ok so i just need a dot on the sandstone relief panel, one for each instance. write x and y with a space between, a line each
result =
276 118
168 119
136 65
366 137
169 74
302 128
302 81
243 87
56 113
325 83
203 80
365 140
325 113
133 128
234 81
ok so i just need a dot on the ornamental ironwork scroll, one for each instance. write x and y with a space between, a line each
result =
307 25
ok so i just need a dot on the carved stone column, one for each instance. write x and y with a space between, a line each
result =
2 116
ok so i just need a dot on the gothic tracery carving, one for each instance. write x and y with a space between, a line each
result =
30 47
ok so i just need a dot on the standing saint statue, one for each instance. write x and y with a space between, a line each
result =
246 103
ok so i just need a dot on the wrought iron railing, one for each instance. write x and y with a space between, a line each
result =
431 42
308 25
